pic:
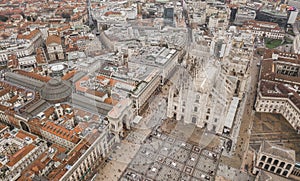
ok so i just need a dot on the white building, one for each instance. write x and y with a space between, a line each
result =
27 62
244 14
264 29
120 117
204 99
144 90
293 16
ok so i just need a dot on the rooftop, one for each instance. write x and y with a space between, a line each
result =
53 39
279 75
279 151
56 90
61 132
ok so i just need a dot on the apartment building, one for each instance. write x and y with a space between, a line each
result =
278 86
23 45
264 29
18 150
87 155
60 135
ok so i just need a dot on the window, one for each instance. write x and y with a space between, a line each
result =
214 128
267 166
272 169
282 164
276 162
269 160
194 120
285 173
197 99
263 158
278 171
288 166
195 109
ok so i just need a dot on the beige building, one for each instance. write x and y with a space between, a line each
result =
24 45
218 21
18 150
54 48
274 158
90 153
264 29
60 135
144 90
278 86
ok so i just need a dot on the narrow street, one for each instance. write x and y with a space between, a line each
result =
242 143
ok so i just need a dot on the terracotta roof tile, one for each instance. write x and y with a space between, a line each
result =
33 75
53 39
20 154
96 93
69 75
61 132
29 36
22 135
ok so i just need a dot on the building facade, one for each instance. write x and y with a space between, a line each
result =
54 48
278 86
275 159
264 29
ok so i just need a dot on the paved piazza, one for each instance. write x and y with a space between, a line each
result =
164 157
274 128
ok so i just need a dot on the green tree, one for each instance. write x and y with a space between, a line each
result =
29 18
3 18
66 15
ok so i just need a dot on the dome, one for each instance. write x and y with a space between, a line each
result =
56 90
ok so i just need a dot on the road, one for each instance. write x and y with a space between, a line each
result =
248 117
295 28
89 12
